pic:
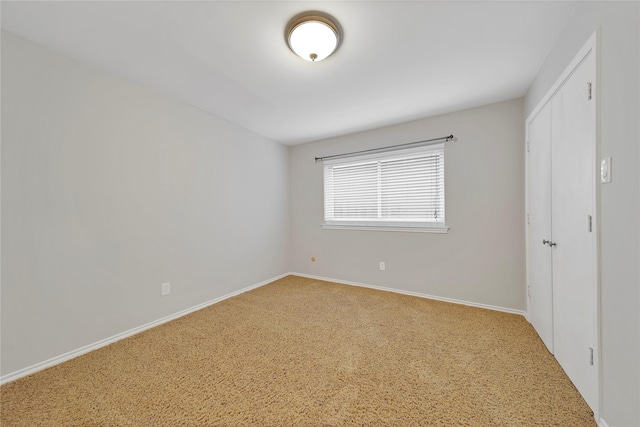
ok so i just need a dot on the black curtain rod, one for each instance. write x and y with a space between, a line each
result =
389 148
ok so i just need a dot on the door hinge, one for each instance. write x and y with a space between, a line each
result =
589 90
528 220
528 146
591 356
589 223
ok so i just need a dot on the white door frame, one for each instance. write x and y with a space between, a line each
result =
592 46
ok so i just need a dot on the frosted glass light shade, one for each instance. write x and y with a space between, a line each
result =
313 38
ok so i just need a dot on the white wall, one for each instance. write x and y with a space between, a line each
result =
109 190
620 200
480 260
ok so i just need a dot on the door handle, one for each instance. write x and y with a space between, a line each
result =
548 242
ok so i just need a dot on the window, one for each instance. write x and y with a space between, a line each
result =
401 189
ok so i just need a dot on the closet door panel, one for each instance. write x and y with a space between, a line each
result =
539 274
574 273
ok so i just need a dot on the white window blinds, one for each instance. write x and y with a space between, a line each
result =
403 188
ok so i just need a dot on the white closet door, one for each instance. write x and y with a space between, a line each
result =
574 255
539 274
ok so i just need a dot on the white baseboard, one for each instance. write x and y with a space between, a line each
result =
601 423
415 294
102 343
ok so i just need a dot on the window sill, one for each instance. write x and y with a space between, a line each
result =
437 230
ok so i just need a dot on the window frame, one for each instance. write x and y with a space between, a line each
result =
382 224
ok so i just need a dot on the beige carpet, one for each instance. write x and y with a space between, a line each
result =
301 352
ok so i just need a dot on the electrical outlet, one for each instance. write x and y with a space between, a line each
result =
165 288
382 266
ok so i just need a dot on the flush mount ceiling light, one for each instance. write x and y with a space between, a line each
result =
313 36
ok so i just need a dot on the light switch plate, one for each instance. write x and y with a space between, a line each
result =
605 170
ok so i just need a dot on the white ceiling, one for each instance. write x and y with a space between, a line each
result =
398 61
